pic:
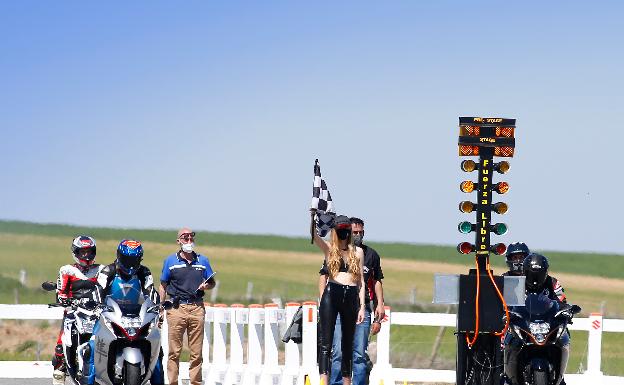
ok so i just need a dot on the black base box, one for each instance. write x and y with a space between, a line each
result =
491 309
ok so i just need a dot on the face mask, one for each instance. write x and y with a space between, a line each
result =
343 234
188 247
357 239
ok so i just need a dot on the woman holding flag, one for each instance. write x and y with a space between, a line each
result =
343 294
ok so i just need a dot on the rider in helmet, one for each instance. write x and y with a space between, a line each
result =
535 267
127 271
75 281
516 252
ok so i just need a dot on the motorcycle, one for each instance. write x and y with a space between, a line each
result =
537 343
126 341
80 318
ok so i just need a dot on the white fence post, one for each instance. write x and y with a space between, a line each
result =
207 338
255 340
382 371
309 368
271 372
218 369
594 345
238 318
291 350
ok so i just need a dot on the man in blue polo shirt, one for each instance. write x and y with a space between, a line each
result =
185 275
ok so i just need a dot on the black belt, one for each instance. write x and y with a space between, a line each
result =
191 301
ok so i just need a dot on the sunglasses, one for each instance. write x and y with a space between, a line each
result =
187 236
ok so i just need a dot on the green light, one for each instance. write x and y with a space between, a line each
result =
464 227
499 228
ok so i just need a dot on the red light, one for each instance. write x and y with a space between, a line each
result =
465 247
499 248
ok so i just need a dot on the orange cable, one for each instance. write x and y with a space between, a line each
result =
476 333
502 300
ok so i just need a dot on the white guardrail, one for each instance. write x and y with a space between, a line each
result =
265 325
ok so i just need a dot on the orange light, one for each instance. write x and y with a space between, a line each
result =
502 187
504 151
507 132
502 167
468 150
468 165
469 130
466 207
467 186
500 207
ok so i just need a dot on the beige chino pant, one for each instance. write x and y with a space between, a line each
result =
187 318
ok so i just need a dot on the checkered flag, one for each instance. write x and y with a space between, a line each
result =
322 206
321 198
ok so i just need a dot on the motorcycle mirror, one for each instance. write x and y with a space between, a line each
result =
575 309
167 305
48 286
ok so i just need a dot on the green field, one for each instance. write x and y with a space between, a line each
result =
287 268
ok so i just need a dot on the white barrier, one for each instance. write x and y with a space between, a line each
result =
299 362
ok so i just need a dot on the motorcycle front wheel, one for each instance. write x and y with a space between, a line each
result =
132 373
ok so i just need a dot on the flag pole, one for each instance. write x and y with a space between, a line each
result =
312 213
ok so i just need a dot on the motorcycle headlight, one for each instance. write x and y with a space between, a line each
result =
539 338
539 328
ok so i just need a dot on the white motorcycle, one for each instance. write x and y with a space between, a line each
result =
80 318
126 342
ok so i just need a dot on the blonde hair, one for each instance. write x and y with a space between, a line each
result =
334 259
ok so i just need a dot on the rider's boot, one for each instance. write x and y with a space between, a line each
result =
58 363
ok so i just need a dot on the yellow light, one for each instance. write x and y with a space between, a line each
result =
467 186
466 207
468 165
502 167
502 187
500 207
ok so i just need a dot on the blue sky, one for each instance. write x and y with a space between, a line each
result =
210 114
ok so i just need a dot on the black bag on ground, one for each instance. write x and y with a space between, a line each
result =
295 330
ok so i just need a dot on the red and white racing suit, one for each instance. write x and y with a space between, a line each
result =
73 282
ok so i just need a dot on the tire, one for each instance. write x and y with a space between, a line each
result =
540 378
132 374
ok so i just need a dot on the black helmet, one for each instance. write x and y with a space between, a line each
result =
516 252
83 242
535 270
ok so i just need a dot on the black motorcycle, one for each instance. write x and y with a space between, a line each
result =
537 344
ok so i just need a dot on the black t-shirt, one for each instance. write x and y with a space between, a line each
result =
372 271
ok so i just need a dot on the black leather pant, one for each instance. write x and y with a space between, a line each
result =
343 300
